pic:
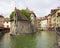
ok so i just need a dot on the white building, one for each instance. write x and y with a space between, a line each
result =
6 23
33 19
44 24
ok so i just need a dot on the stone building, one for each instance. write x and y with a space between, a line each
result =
33 19
20 24
1 21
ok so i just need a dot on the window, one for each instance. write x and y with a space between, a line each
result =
32 16
15 14
38 21
58 14
54 19
58 18
7 26
15 21
7 22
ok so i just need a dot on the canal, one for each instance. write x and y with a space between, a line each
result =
43 39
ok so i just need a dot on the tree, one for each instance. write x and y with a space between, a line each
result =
24 12
11 15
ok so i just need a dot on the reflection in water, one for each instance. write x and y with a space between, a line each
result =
6 41
26 41
46 39
40 40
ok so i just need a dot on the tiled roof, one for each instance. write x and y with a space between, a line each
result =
1 16
49 15
6 19
20 16
38 19
54 11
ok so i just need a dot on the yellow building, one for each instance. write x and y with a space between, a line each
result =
58 18
55 19
38 24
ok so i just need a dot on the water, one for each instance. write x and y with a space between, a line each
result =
43 39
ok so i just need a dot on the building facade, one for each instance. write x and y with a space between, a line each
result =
1 21
44 23
58 18
55 18
6 22
49 22
38 24
20 24
33 19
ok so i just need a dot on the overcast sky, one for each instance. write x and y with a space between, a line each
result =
40 7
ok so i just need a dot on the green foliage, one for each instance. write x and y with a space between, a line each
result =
24 12
11 15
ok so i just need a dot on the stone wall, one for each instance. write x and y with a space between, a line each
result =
23 27
1 22
12 28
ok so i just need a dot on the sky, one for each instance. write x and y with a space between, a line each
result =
39 7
